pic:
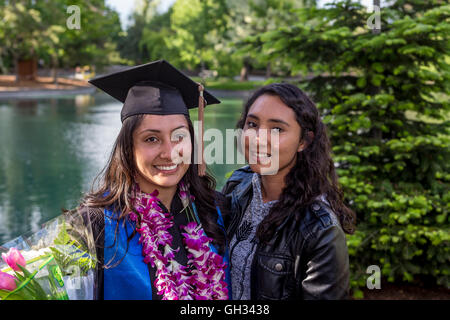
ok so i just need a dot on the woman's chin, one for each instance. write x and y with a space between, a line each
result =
166 182
264 169
167 179
152 181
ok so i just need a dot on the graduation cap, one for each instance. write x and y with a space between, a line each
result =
156 88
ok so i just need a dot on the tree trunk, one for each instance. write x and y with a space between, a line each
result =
268 70
16 67
245 70
55 69
54 75
376 8
244 73
26 69
202 66
3 68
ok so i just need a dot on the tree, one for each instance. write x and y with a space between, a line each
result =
198 26
37 29
156 38
95 43
253 18
20 30
385 98
149 36
203 33
130 44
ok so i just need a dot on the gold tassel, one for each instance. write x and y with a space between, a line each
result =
201 108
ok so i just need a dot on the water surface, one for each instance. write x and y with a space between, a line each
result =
52 149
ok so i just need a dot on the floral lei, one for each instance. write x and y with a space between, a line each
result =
203 278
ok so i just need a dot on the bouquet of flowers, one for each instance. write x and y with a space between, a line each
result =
56 263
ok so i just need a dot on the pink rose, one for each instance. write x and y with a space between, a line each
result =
7 281
14 258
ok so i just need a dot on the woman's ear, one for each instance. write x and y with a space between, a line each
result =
306 141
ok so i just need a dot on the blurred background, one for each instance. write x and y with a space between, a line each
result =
378 71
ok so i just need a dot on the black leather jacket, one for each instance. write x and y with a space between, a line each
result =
306 259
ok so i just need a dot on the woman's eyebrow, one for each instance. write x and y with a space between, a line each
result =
271 120
279 121
151 130
158 131
182 126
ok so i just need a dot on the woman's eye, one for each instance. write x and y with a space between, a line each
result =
277 129
180 137
152 139
251 124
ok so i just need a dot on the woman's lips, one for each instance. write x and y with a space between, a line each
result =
262 158
167 169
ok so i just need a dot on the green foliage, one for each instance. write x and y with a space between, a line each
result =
202 34
230 84
38 29
385 99
146 38
70 251
258 19
192 34
229 174
20 29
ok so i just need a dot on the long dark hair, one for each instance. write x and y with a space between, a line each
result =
115 184
313 174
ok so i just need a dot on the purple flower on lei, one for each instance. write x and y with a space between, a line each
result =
203 278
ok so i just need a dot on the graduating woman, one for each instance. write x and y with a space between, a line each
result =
156 218
288 219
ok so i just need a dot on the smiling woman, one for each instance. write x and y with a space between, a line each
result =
286 234
156 219
161 143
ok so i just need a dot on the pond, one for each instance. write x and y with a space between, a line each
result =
51 149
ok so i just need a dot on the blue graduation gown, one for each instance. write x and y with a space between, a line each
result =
130 279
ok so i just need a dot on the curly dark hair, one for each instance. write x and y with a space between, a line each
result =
116 182
313 174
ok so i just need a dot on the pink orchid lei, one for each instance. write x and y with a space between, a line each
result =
203 278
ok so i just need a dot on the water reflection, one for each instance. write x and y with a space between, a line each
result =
52 149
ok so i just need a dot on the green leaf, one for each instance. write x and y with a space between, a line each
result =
378 67
441 218
14 296
361 83
29 280
358 294
376 79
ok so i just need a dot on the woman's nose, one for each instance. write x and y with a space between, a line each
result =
166 150
263 137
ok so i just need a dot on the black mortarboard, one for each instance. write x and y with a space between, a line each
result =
153 88
157 88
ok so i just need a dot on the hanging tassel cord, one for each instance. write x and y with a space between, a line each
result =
201 110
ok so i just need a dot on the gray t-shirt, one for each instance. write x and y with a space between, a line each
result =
243 243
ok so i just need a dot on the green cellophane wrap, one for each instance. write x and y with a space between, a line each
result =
60 261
